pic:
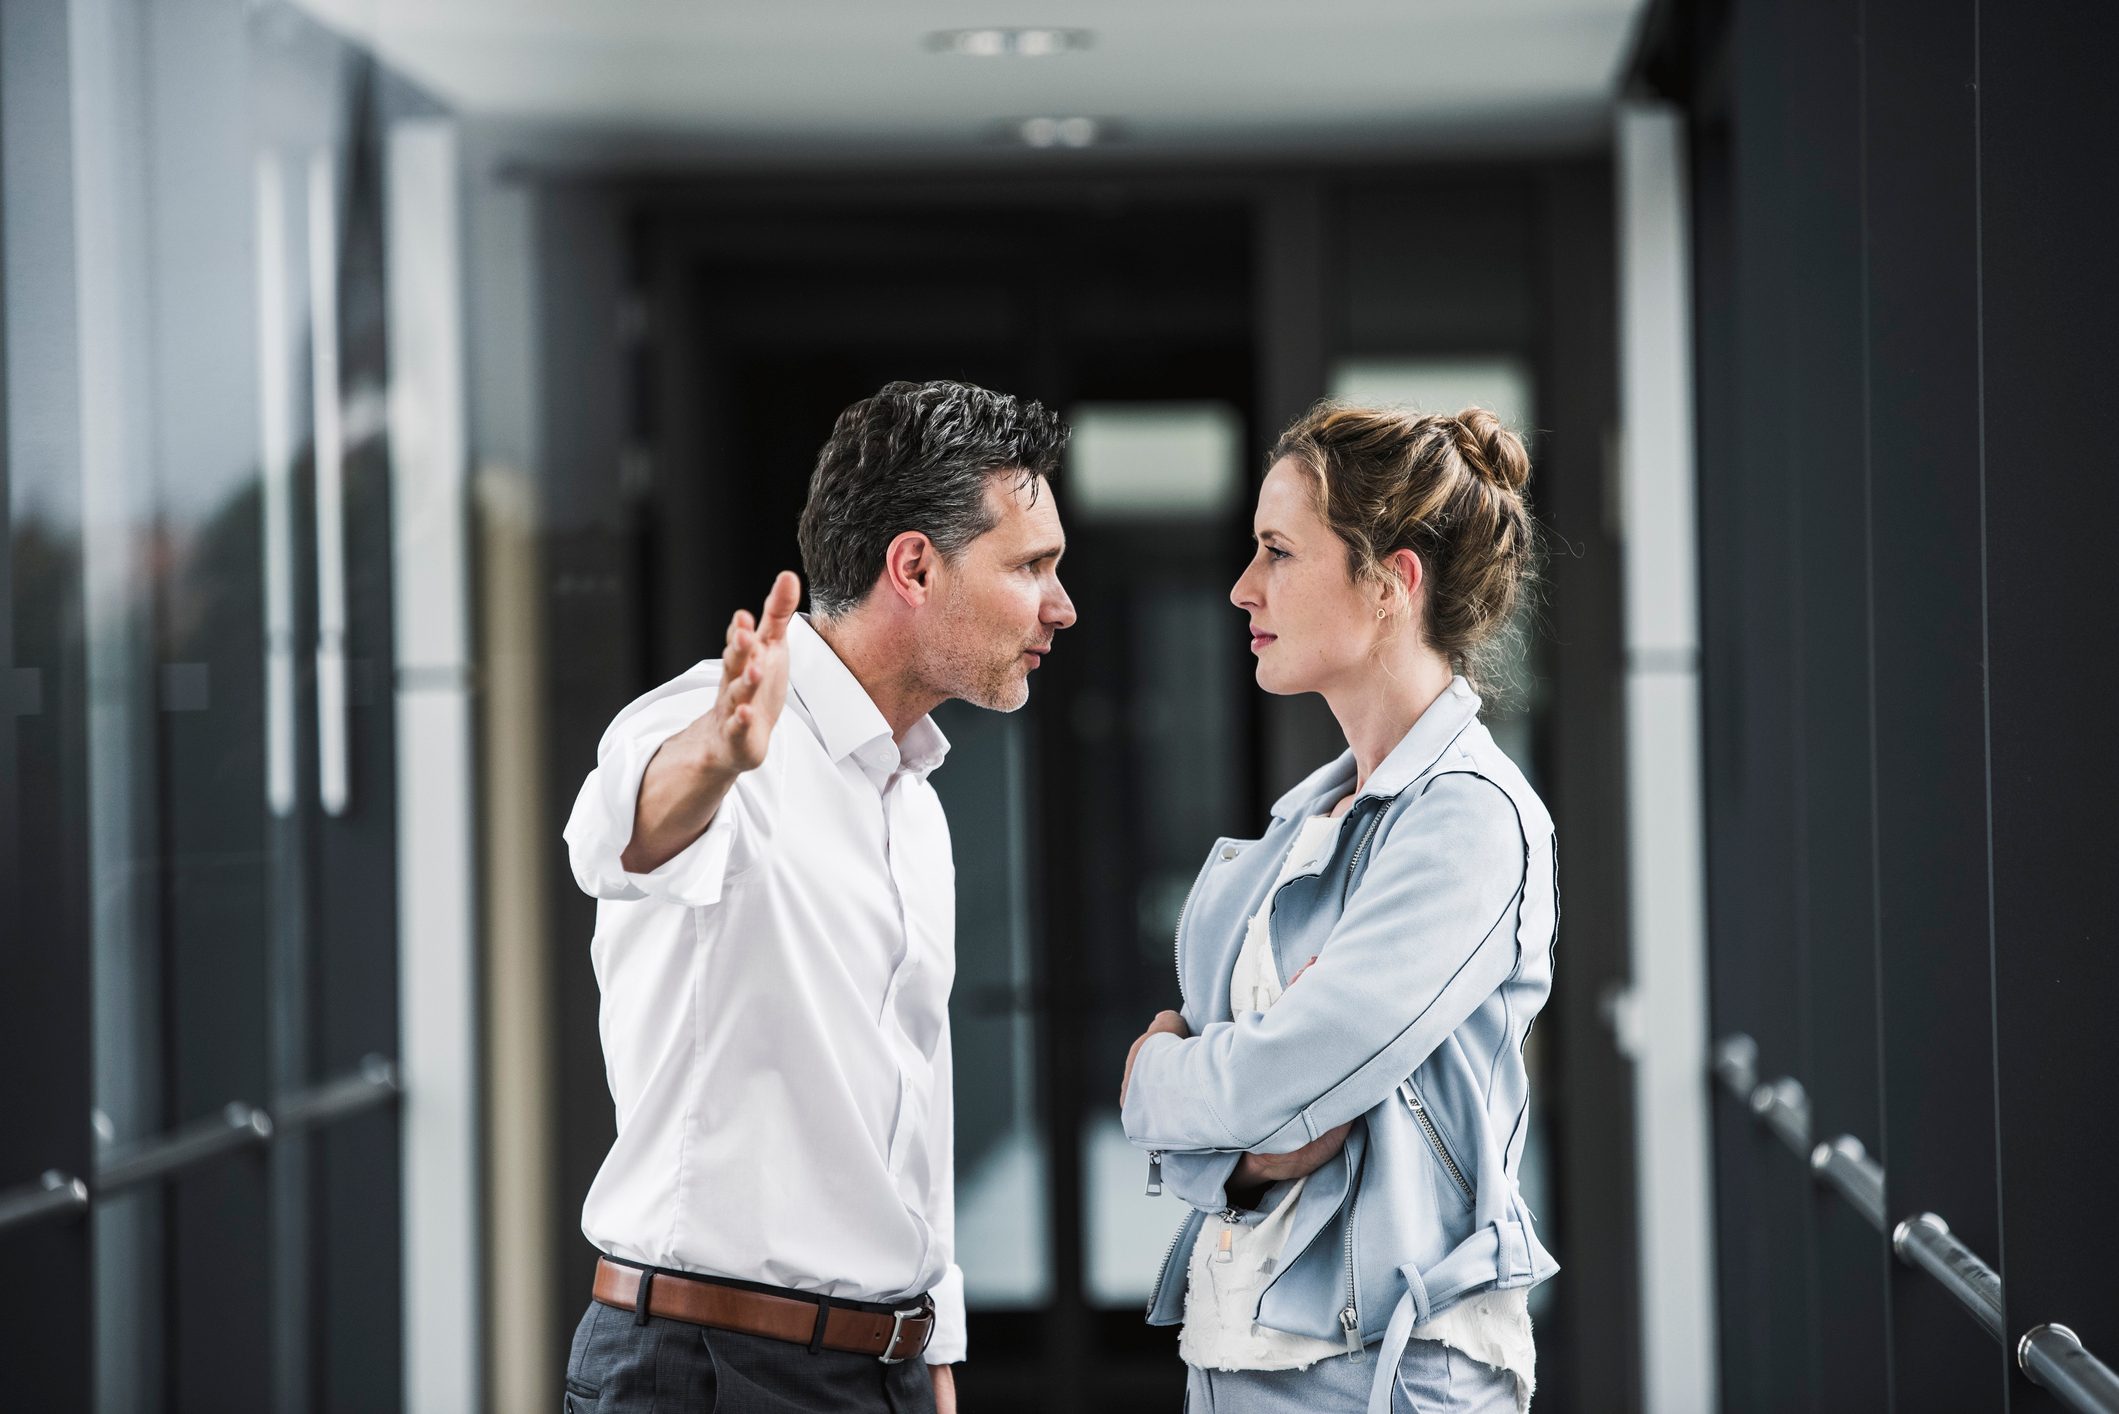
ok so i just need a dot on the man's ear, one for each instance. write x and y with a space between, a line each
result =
909 567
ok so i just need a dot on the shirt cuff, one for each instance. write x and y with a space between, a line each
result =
695 874
947 1346
602 827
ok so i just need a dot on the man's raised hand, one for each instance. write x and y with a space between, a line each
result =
691 773
753 681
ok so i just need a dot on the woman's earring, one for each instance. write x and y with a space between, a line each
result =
1383 613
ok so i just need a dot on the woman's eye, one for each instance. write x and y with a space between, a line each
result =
1276 552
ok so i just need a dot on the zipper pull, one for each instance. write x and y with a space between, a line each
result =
1155 1173
1350 1324
1222 1252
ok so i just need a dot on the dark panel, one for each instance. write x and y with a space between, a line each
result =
1738 1255
1758 955
592 663
1449 263
1936 1140
2048 120
1589 1338
1828 763
358 1268
45 892
351 1225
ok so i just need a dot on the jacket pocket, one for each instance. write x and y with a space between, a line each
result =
1433 1131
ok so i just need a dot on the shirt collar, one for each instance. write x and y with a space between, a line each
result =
846 718
1442 723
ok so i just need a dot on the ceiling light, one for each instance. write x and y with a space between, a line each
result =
1027 43
1059 132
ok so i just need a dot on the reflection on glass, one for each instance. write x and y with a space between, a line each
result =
1128 1232
1162 486
1494 381
1152 459
276 470
1002 1236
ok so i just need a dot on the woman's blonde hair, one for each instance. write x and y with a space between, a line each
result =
1448 488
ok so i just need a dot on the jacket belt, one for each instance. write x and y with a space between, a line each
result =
813 1321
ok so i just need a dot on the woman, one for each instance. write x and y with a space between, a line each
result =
1350 1145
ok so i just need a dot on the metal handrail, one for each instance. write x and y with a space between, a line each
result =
237 1126
376 1083
2050 1355
1785 1107
1846 1166
1925 1241
1736 1065
52 1195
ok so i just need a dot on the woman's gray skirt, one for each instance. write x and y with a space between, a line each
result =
1432 1376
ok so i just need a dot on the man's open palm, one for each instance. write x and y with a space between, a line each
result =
753 681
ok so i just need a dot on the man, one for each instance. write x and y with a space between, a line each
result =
775 937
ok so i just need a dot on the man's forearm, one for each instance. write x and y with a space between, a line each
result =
679 796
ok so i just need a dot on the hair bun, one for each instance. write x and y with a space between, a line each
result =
1492 451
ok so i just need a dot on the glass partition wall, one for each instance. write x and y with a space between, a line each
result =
202 755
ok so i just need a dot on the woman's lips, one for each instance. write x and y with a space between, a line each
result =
1260 640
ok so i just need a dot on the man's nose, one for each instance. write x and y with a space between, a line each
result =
1060 614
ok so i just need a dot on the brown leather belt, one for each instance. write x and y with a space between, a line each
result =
814 1321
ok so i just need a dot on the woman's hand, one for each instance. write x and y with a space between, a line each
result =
1256 1172
1165 1021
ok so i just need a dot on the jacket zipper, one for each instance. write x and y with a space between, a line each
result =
1434 1138
1354 861
1350 1315
1163 1271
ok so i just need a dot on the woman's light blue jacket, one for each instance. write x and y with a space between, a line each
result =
1432 915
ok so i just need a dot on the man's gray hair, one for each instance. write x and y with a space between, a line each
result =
916 456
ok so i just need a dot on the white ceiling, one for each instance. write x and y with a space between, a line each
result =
1168 76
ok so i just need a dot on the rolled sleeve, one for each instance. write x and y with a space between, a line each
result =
601 825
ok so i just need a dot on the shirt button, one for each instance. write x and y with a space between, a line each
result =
1228 851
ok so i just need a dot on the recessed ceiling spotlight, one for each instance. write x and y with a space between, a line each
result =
1060 132
1030 42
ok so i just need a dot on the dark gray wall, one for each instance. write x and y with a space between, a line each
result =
1900 499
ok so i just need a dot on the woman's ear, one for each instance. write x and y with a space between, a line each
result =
1405 568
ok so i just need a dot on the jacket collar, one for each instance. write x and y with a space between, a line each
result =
1442 723
846 719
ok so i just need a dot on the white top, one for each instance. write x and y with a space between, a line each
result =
1236 1254
775 1004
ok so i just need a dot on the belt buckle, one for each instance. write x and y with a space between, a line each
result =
897 1325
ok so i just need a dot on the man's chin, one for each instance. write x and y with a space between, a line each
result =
1007 695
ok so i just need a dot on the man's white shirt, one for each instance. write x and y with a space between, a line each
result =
775 1001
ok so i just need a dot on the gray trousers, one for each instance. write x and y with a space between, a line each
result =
1432 1376
618 1366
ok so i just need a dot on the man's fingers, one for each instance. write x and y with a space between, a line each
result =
743 686
739 622
742 647
780 605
